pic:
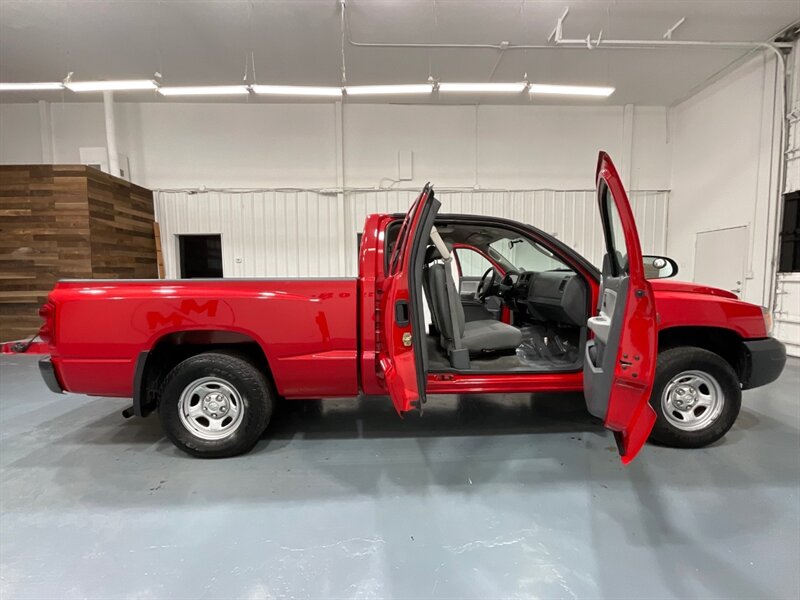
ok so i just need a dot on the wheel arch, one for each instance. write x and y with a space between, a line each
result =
723 342
170 349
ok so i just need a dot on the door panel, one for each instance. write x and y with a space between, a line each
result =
401 359
467 287
603 348
474 310
620 358
470 268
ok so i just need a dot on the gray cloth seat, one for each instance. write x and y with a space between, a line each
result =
490 336
478 337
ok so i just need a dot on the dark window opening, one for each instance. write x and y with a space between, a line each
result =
392 231
200 256
789 256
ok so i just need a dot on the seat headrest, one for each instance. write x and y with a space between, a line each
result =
432 253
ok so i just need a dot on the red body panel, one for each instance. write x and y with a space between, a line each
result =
370 264
306 328
503 383
318 334
680 304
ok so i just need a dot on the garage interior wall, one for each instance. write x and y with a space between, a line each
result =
531 163
725 174
192 145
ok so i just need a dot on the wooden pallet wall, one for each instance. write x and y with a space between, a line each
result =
120 228
66 222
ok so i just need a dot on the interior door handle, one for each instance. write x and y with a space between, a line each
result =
600 326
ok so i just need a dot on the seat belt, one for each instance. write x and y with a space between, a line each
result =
459 356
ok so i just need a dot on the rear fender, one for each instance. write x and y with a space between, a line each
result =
153 365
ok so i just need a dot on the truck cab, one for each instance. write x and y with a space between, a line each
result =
549 331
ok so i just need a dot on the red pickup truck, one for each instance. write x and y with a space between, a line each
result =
443 304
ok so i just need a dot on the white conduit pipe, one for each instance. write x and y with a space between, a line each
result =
580 44
111 133
577 45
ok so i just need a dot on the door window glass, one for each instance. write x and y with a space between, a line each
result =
472 263
398 252
615 235
526 255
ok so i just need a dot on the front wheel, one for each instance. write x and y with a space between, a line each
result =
696 395
215 405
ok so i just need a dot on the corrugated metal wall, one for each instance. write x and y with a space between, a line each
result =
787 312
313 234
264 234
787 285
793 153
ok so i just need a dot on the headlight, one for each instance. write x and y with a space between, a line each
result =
767 314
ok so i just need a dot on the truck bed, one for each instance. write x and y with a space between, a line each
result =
305 327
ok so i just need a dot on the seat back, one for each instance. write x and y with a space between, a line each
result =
444 304
431 254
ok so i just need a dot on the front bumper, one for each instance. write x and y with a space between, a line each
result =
49 375
765 361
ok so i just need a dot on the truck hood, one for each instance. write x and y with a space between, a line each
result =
668 285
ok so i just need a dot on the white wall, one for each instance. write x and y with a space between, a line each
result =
218 145
77 126
724 169
442 139
176 145
20 137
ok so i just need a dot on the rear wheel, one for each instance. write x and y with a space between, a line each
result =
215 405
696 395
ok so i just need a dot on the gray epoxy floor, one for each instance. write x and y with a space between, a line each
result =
480 498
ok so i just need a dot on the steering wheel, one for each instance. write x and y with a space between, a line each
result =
485 285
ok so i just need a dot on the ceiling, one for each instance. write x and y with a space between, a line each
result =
299 42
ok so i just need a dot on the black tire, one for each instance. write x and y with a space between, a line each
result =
249 384
673 362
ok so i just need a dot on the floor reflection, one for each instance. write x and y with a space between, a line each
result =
441 416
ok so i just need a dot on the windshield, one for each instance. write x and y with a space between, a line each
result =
526 255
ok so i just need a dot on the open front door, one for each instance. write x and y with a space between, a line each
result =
402 326
619 365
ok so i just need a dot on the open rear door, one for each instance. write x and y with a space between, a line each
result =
619 365
401 355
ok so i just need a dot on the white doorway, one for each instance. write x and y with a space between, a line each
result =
720 257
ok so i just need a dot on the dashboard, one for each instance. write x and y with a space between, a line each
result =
547 296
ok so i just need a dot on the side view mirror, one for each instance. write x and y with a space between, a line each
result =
659 267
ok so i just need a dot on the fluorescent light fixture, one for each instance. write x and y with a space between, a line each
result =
570 90
108 86
375 90
296 90
204 90
489 88
31 87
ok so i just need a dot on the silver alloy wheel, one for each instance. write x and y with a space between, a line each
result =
211 408
692 400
